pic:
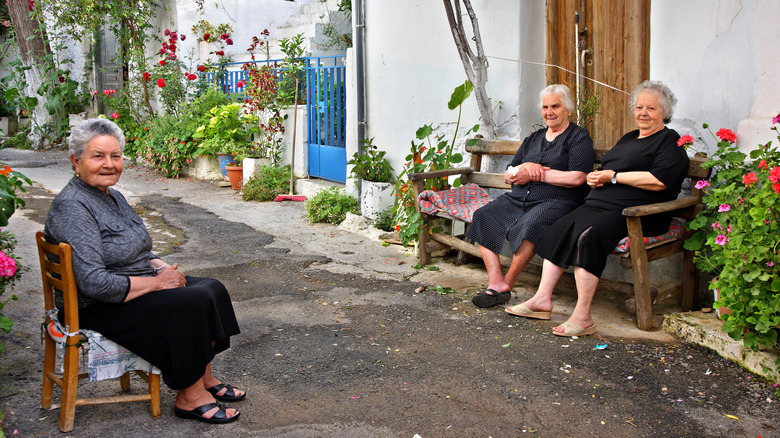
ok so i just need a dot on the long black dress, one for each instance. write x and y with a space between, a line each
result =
587 235
173 329
528 210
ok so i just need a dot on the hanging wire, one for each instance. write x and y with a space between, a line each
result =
561 68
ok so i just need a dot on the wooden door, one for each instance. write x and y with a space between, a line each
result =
615 36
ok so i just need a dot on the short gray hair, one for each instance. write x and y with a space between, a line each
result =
668 101
85 131
561 90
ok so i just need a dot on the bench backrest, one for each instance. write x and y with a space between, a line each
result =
509 147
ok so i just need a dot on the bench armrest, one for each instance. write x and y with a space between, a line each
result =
661 207
422 176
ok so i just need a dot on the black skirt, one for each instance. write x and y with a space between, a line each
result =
173 329
515 220
588 235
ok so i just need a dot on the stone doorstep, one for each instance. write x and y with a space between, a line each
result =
705 329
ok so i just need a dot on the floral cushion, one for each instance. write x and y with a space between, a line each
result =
460 202
676 230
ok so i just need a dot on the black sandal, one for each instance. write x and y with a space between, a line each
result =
219 417
228 396
490 298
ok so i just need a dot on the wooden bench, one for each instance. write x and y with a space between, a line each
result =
637 258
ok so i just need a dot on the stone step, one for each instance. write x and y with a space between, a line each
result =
705 329
310 187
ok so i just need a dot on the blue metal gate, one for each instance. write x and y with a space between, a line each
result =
326 109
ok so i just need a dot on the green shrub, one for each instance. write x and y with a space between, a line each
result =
19 141
384 220
167 141
267 183
331 205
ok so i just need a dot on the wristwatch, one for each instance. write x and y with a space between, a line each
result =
614 178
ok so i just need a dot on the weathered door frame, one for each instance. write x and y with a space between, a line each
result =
615 36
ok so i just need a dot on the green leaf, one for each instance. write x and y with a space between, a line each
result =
423 132
460 94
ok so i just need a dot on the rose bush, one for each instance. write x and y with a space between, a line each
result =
738 237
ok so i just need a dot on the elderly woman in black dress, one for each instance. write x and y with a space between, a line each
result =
176 322
547 175
644 167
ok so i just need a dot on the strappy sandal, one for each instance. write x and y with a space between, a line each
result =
228 396
219 417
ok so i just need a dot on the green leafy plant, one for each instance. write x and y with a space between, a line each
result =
384 220
266 184
330 205
371 165
738 237
20 140
230 131
426 156
292 68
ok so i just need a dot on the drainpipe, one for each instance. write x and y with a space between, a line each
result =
360 73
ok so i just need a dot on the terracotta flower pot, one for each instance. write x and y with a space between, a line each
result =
236 176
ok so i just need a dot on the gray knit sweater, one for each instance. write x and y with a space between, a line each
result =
109 241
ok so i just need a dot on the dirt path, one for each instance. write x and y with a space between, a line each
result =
332 348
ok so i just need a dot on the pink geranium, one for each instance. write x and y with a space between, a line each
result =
749 179
7 266
684 140
724 208
701 184
727 135
774 174
721 239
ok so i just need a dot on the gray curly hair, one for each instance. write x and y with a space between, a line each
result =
668 101
89 129
561 90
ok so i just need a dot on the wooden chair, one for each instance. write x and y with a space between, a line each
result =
59 275
637 258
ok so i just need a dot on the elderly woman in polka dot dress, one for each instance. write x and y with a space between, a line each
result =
547 175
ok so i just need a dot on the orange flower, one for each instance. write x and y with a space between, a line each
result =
6 170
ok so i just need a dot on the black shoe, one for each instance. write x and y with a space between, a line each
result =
490 298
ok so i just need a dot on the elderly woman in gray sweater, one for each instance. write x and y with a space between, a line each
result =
176 322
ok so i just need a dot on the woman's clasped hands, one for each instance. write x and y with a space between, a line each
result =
170 277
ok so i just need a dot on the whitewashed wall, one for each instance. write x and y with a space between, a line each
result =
412 67
722 60
249 18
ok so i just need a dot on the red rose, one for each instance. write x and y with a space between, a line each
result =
201 68
229 42
161 82
62 79
147 76
192 77
162 62
240 84
167 32
206 36
114 116
220 53
183 37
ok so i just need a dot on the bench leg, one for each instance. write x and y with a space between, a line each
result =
690 282
639 267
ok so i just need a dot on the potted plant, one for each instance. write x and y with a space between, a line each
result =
228 133
738 237
376 176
